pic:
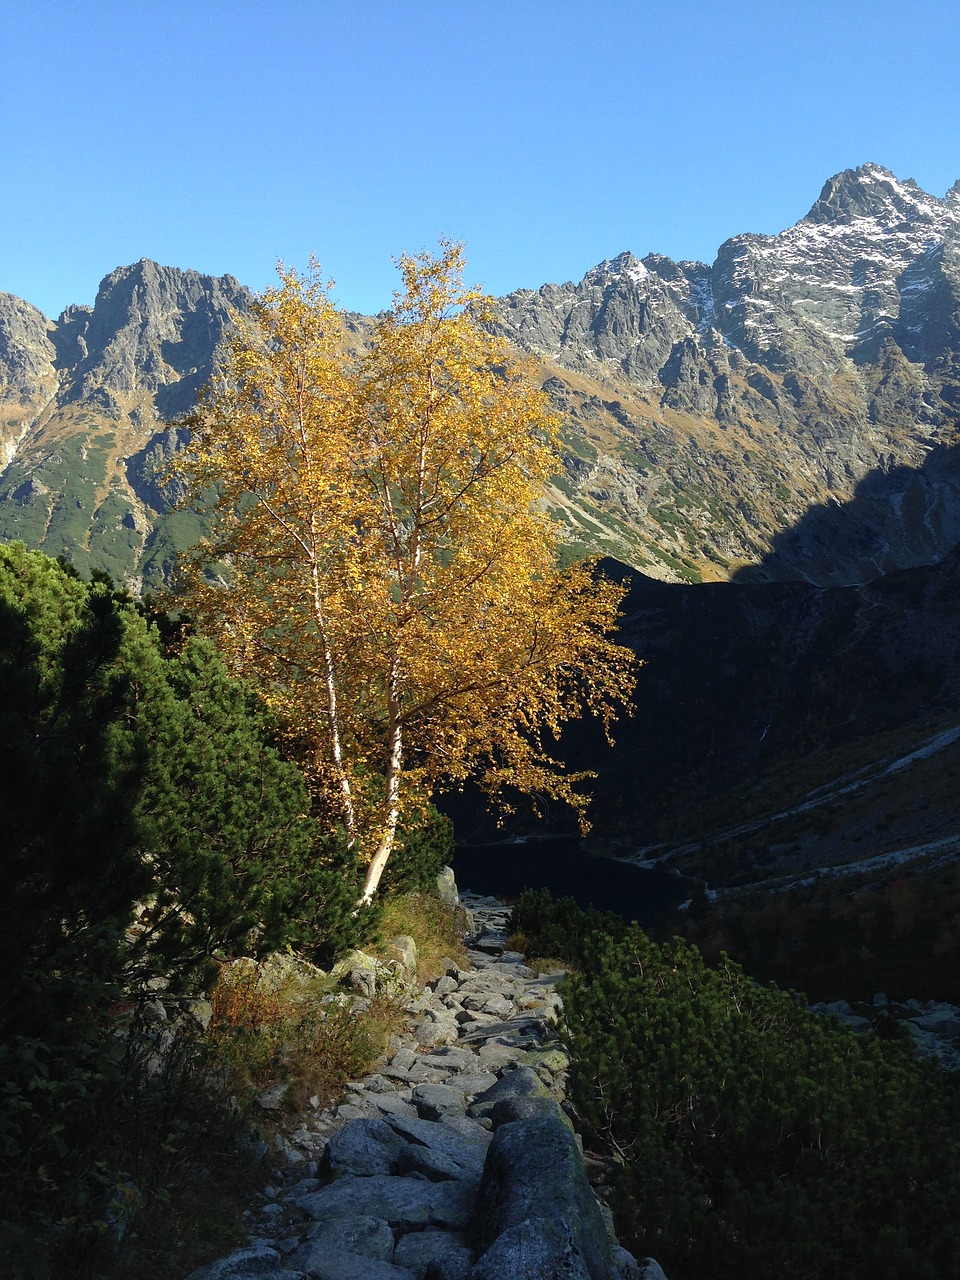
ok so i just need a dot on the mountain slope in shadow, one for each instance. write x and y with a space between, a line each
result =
754 694
899 517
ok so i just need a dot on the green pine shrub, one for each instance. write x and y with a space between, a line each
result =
419 854
149 825
546 926
757 1139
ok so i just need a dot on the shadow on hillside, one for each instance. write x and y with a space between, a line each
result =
899 517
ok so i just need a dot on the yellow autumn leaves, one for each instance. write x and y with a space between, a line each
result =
387 576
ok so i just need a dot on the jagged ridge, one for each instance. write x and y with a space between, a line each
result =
713 405
719 419
86 402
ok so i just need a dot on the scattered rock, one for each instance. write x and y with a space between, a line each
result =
934 1026
365 1147
272 1099
451 1161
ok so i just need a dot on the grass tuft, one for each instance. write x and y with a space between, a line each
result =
437 929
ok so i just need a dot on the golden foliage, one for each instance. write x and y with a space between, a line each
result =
386 573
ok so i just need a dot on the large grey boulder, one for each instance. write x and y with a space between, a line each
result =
367 975
348 1244
536 1249
535 1187
436 1028
475 1082
448 1058
650 1269
363 1235
447 887
500 1006
433 1101
464 1151
514 1085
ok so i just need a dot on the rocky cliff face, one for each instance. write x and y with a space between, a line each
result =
713 407
84 409
28 378
788 412
152 332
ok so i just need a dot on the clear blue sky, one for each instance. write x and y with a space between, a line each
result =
224 134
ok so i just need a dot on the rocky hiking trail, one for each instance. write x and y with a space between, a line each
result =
455 1160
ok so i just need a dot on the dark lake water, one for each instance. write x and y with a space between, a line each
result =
563 867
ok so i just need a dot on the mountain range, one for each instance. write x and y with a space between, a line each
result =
786 413
771 440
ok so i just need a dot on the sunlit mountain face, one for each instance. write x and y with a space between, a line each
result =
788 412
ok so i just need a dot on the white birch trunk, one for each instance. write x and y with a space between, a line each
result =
392 798
333 713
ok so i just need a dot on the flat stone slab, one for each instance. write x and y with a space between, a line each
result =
391 1105
246 1264
436 1166
475 1130
355 1111
368 1236
362 1236
351 1266
364 1148
433 1101
448 1059
522 1030
476 1082
536 1249
405 1203
494 1054
468 1150
416 1074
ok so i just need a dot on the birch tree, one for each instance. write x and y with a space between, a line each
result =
387 572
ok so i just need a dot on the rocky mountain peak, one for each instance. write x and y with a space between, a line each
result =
146 287
870 191
623 267
708 410
151 328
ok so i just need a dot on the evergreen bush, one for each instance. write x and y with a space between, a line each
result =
758 1140
419 854
148 824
